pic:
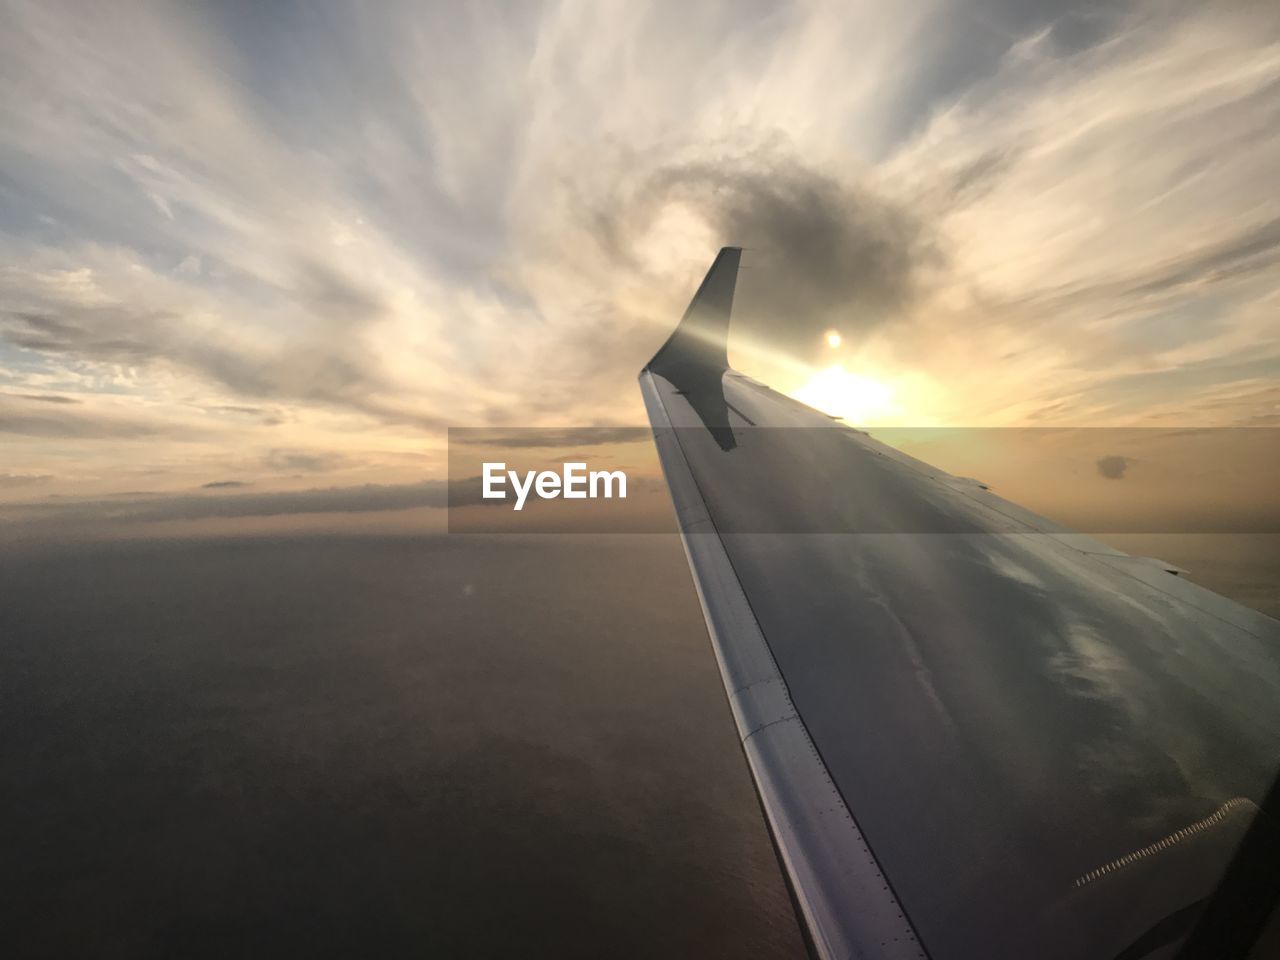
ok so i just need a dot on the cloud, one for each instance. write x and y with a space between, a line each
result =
826 252
151 508
223 484
1013 211
108 335
551 437
328 367
820 250
301 461
25 417
237 408
1113 466
46 398
23 479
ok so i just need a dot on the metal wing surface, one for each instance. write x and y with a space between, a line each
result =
974 733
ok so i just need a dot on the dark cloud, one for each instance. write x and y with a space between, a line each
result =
22 417
113 335
159 507
1113 466
550 437
222 484
326 293
44 398
302 461
819 252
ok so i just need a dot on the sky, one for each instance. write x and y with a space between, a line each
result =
268 253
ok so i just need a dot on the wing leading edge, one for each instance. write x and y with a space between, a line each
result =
993 738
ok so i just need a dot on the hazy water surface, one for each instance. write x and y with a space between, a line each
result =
363 747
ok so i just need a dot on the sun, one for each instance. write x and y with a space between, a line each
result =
855 398
833 338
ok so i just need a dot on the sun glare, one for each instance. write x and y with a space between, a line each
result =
833 338
838 392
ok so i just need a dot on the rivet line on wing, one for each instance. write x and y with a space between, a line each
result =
1198 827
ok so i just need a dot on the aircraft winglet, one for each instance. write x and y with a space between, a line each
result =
701 340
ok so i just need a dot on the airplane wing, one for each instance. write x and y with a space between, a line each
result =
973 733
